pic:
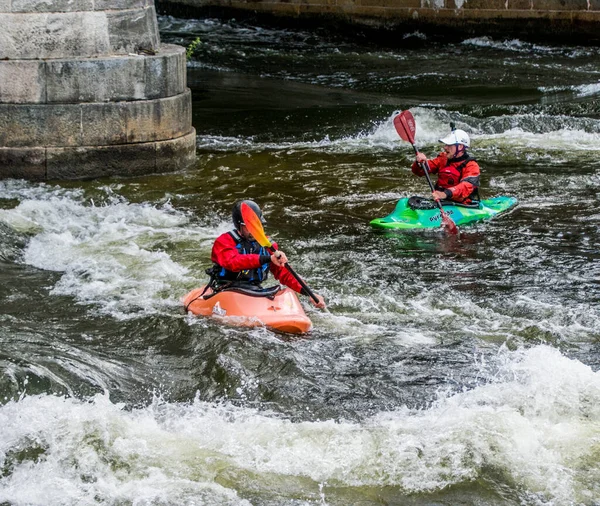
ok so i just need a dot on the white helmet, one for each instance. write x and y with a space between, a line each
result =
457 137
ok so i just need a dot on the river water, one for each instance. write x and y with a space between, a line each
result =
448 371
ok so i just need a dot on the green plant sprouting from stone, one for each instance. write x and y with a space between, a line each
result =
191 48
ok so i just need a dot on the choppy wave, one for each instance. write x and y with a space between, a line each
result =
110 255
407 389
519 46
215 32
583 90
515 131
531 425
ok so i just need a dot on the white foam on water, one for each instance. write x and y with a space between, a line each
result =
563 139
381 137
582 90
358 328
514 45
553 133
514 131
527 315
587 90
112 256
533 427
94 452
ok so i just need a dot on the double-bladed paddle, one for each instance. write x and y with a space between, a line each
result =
254 226
405 125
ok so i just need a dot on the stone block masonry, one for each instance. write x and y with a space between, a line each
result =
87 90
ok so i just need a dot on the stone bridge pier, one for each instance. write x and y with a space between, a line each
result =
87 90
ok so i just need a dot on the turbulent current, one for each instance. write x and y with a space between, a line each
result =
453 371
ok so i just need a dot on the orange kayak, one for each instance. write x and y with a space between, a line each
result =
282 312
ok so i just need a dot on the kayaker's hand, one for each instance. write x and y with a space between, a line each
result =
278 258
420 157
320 304
437 195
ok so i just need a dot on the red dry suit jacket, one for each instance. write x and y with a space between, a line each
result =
227 254
458 178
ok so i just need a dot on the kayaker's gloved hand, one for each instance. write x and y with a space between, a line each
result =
279 258
420 157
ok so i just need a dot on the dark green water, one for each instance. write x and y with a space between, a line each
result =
447 371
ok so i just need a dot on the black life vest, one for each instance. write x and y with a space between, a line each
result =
251 276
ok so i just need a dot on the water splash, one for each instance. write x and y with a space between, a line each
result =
113 255
530 424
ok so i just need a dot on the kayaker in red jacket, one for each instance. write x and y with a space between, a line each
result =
458 173
240 259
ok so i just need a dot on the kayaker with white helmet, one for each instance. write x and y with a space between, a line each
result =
458 173
240 260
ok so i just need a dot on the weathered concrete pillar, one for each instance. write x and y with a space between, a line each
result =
87 90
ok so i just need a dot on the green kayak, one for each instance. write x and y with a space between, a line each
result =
405 218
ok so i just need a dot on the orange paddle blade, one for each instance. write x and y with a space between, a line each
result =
254 225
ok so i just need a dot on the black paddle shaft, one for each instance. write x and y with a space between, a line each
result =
304 286
406 130
425 167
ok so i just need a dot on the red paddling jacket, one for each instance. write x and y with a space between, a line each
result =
242 260
458 179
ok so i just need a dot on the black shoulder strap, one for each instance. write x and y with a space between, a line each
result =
236 237
464 164
475 194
